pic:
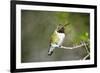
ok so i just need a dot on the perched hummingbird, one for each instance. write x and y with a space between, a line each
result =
57 38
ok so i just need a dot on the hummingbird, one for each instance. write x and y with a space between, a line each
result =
57 38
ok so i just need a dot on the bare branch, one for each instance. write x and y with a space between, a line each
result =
74 47
86 56
86 47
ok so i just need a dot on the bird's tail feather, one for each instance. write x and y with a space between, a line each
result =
50 51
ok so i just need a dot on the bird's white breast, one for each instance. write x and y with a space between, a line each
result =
61 38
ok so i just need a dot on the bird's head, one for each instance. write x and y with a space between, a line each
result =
61 28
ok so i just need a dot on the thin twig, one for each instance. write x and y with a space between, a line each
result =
88 53
72 47
86 56
86 47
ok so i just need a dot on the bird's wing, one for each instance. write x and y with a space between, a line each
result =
54 38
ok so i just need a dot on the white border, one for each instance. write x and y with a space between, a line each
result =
20 65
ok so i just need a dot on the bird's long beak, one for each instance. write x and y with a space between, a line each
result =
66 24
62 26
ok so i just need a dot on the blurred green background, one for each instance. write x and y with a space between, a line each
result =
37 27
